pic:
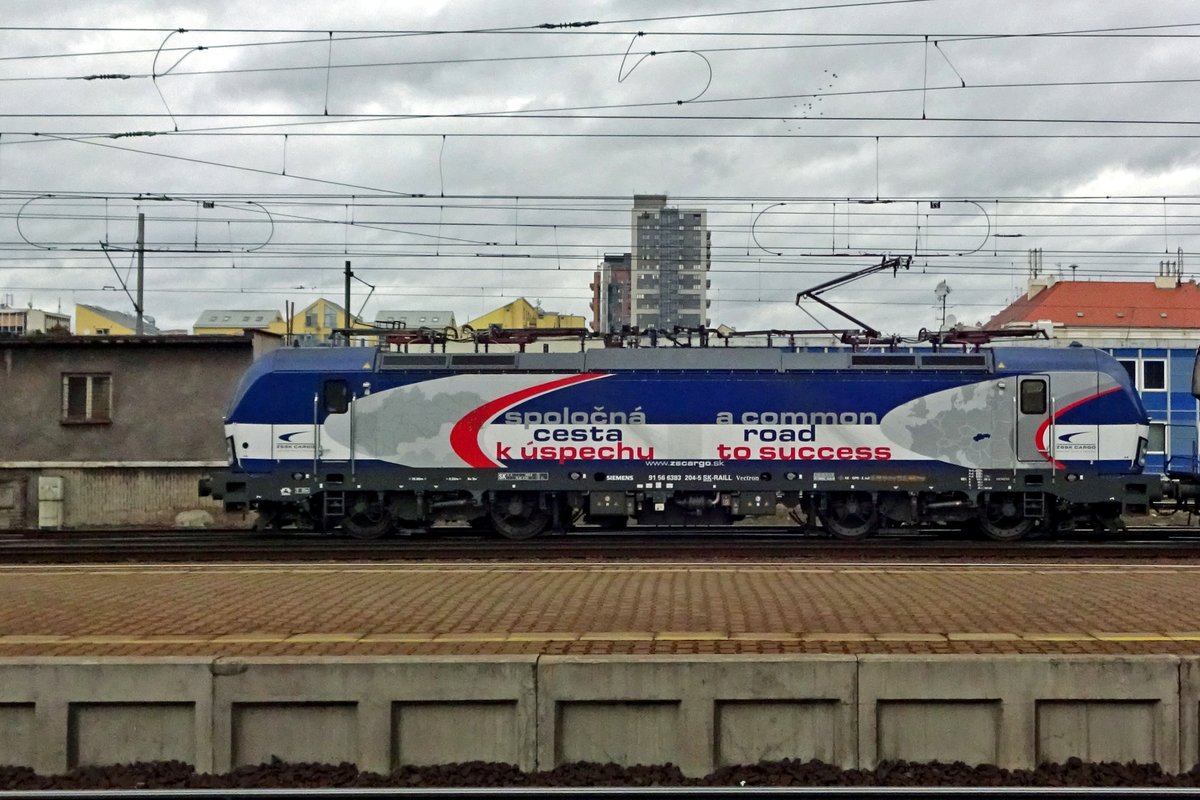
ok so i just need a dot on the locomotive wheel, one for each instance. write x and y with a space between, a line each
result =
1001 519
517 517
368 522
850 515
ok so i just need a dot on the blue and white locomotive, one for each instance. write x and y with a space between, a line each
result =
1012 439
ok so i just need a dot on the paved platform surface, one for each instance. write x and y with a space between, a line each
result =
612 608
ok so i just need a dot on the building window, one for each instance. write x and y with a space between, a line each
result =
310 319
87 399
331 317
1158 438
1154 375
1148 374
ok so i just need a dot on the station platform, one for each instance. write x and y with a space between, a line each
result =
701 665
592 609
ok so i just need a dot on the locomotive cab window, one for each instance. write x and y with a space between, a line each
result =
336 394
1033 397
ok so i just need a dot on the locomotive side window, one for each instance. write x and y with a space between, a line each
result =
1033 397
337 396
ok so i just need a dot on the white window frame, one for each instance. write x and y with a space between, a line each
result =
1139 372
1142 387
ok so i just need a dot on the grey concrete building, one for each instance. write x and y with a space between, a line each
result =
116 430
671 255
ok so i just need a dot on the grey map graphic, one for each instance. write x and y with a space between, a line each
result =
972 425
412 425
960 426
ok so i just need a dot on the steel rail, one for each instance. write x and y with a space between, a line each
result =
746 543
624 793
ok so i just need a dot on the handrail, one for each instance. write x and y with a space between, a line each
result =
316 432
1050 430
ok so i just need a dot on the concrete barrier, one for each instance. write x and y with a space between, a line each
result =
1019 711
1189 711
700 712
56 714
377 713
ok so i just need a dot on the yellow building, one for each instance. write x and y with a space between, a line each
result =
312 325
316 323
520 313
97 321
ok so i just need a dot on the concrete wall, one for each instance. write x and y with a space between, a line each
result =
169 397
538 712
113 497
139 467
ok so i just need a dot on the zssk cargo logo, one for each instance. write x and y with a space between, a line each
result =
464 436
1078 442
287 441
1066 443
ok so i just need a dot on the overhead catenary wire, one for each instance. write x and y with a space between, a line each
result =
394 232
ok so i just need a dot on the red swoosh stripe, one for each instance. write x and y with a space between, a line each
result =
1041 431
464 436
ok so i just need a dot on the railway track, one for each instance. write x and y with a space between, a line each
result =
215 546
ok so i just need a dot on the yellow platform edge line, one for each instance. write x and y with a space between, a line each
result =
360 638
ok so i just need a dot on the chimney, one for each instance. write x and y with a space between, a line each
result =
1168 275
1036 285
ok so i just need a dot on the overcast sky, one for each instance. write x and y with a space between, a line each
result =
462 154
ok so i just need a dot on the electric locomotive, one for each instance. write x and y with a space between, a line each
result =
371 442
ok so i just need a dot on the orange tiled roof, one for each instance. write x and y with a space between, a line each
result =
1108 304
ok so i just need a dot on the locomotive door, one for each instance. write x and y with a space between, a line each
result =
1033 413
